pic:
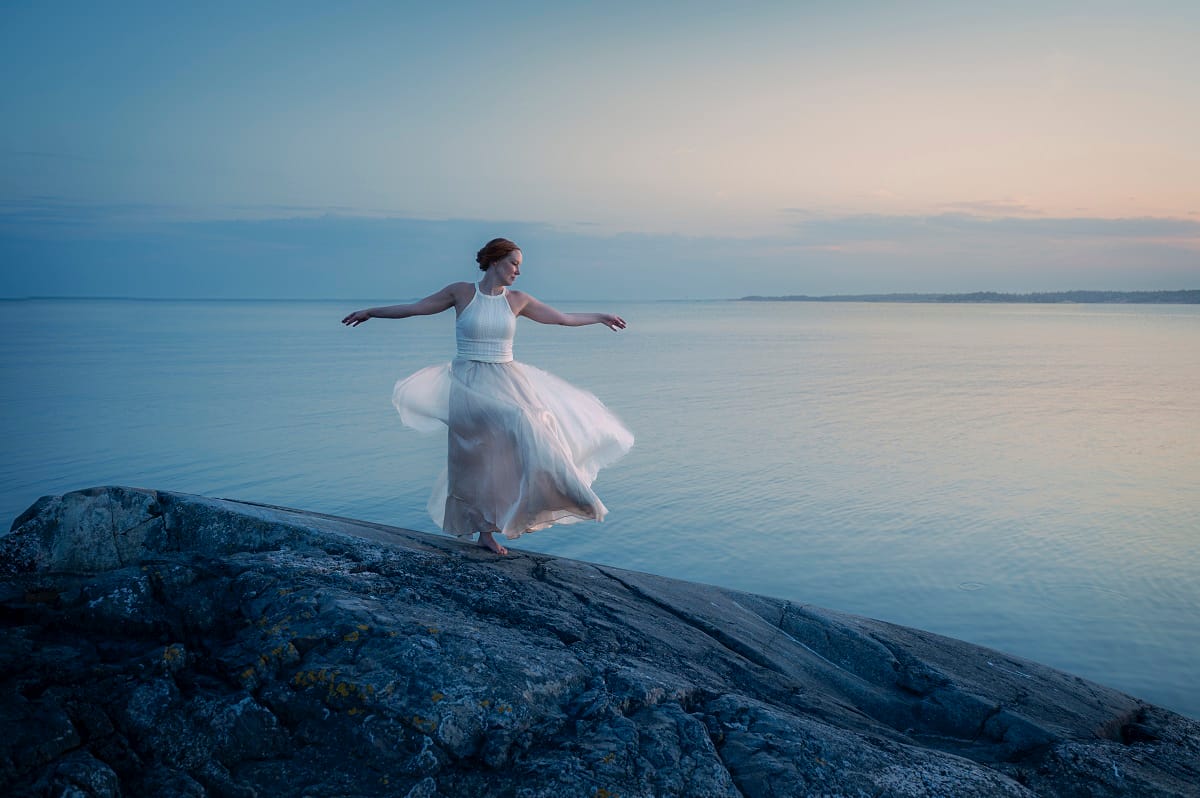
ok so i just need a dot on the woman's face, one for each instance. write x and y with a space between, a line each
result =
507 268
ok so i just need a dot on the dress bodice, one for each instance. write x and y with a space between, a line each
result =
484 330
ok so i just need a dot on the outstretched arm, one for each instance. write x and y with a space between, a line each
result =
434 303
544 314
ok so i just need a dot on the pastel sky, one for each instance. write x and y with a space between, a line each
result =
633 149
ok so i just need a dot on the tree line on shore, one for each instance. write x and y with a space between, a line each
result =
1182 297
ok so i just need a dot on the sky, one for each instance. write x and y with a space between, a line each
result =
634 150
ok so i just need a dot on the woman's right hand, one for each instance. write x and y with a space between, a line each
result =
356 318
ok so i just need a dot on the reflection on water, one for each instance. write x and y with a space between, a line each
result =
1020 476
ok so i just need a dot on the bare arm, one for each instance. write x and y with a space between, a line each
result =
434 303
544 314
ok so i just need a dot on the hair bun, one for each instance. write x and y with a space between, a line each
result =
493 251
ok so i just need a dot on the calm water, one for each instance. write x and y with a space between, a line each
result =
1025 477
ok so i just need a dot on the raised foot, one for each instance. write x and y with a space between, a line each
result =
488 542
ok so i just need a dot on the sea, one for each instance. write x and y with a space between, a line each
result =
1025 477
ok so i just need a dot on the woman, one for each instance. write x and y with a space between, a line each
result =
524 446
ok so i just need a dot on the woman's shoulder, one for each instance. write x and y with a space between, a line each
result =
459 290
519 299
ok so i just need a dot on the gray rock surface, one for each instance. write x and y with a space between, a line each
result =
158 643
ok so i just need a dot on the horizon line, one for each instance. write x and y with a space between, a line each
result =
897 296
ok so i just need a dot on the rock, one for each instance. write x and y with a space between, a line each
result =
157 643
80 775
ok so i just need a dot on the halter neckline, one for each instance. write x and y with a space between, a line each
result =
484 330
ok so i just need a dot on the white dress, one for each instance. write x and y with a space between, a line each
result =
524 445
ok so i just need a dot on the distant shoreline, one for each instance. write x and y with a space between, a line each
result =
1188 297
1180 297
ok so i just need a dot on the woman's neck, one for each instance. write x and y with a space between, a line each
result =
489 285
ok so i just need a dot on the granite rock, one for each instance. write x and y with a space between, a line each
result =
159 643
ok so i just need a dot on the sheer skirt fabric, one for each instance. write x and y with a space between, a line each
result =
524 445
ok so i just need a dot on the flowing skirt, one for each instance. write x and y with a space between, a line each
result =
524 445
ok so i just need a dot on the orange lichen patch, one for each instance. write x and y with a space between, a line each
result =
267 661
424 724
345 690
609 759
433 630
362 627
351 638
310 678
337 691
505 708
485 703
285 591
353 711
436 697
172 653
603 793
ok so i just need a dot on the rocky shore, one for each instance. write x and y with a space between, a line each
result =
158 643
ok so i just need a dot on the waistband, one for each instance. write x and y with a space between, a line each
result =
485 351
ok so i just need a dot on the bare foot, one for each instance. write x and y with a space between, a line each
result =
488 542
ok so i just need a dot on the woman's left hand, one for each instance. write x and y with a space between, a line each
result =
612 322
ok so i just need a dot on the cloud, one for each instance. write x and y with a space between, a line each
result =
993 207
1080 227
878 227
54 215
50 246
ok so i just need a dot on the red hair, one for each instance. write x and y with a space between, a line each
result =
493 251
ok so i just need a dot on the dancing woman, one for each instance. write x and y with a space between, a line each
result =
524 445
